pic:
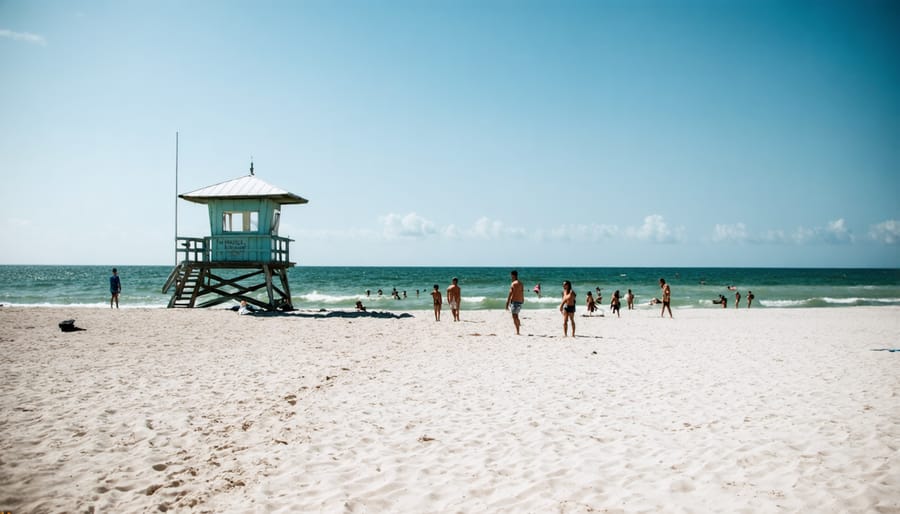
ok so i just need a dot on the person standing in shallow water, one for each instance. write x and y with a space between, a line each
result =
515 298
666 298
567 307
115 288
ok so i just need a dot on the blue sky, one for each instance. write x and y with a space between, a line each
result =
459 133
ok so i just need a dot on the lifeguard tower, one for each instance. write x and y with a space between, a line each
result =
244 252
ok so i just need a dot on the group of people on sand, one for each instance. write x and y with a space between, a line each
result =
454 297
516 298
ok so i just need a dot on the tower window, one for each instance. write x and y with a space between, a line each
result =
240 221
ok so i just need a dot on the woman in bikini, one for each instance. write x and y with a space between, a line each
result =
438 301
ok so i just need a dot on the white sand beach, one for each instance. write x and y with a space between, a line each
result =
755 411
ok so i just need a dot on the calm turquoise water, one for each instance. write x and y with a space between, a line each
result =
482 288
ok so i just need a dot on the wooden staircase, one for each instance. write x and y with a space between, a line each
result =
186 279
200 284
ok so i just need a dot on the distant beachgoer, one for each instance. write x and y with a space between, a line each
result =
629 299
368 293
591 305
380 292
537 290
454 298
567 307
599 296
722 301
438 301
750 298
666 298
360 307
737 299
515 298
655 301
245 308
615 304
115 288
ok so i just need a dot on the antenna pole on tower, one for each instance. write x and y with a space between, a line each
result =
176 198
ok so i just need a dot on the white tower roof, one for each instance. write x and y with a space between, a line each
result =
248 186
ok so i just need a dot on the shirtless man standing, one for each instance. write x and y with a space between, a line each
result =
516 298
453 298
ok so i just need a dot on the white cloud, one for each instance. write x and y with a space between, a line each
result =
452 232
409 225
486 228
776 236
656 230
887 232
581 233
730 233
24 36
18 223
837 232
834 232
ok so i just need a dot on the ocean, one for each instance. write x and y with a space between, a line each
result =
482 288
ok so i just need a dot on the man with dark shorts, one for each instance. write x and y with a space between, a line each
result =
516 298
115 288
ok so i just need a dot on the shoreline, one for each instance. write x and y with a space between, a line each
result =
771 410
482 288
528 307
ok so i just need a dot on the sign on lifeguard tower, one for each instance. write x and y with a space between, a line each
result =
244 216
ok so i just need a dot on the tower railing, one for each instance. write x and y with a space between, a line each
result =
192 249
203 249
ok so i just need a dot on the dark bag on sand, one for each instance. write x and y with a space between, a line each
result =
67 325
